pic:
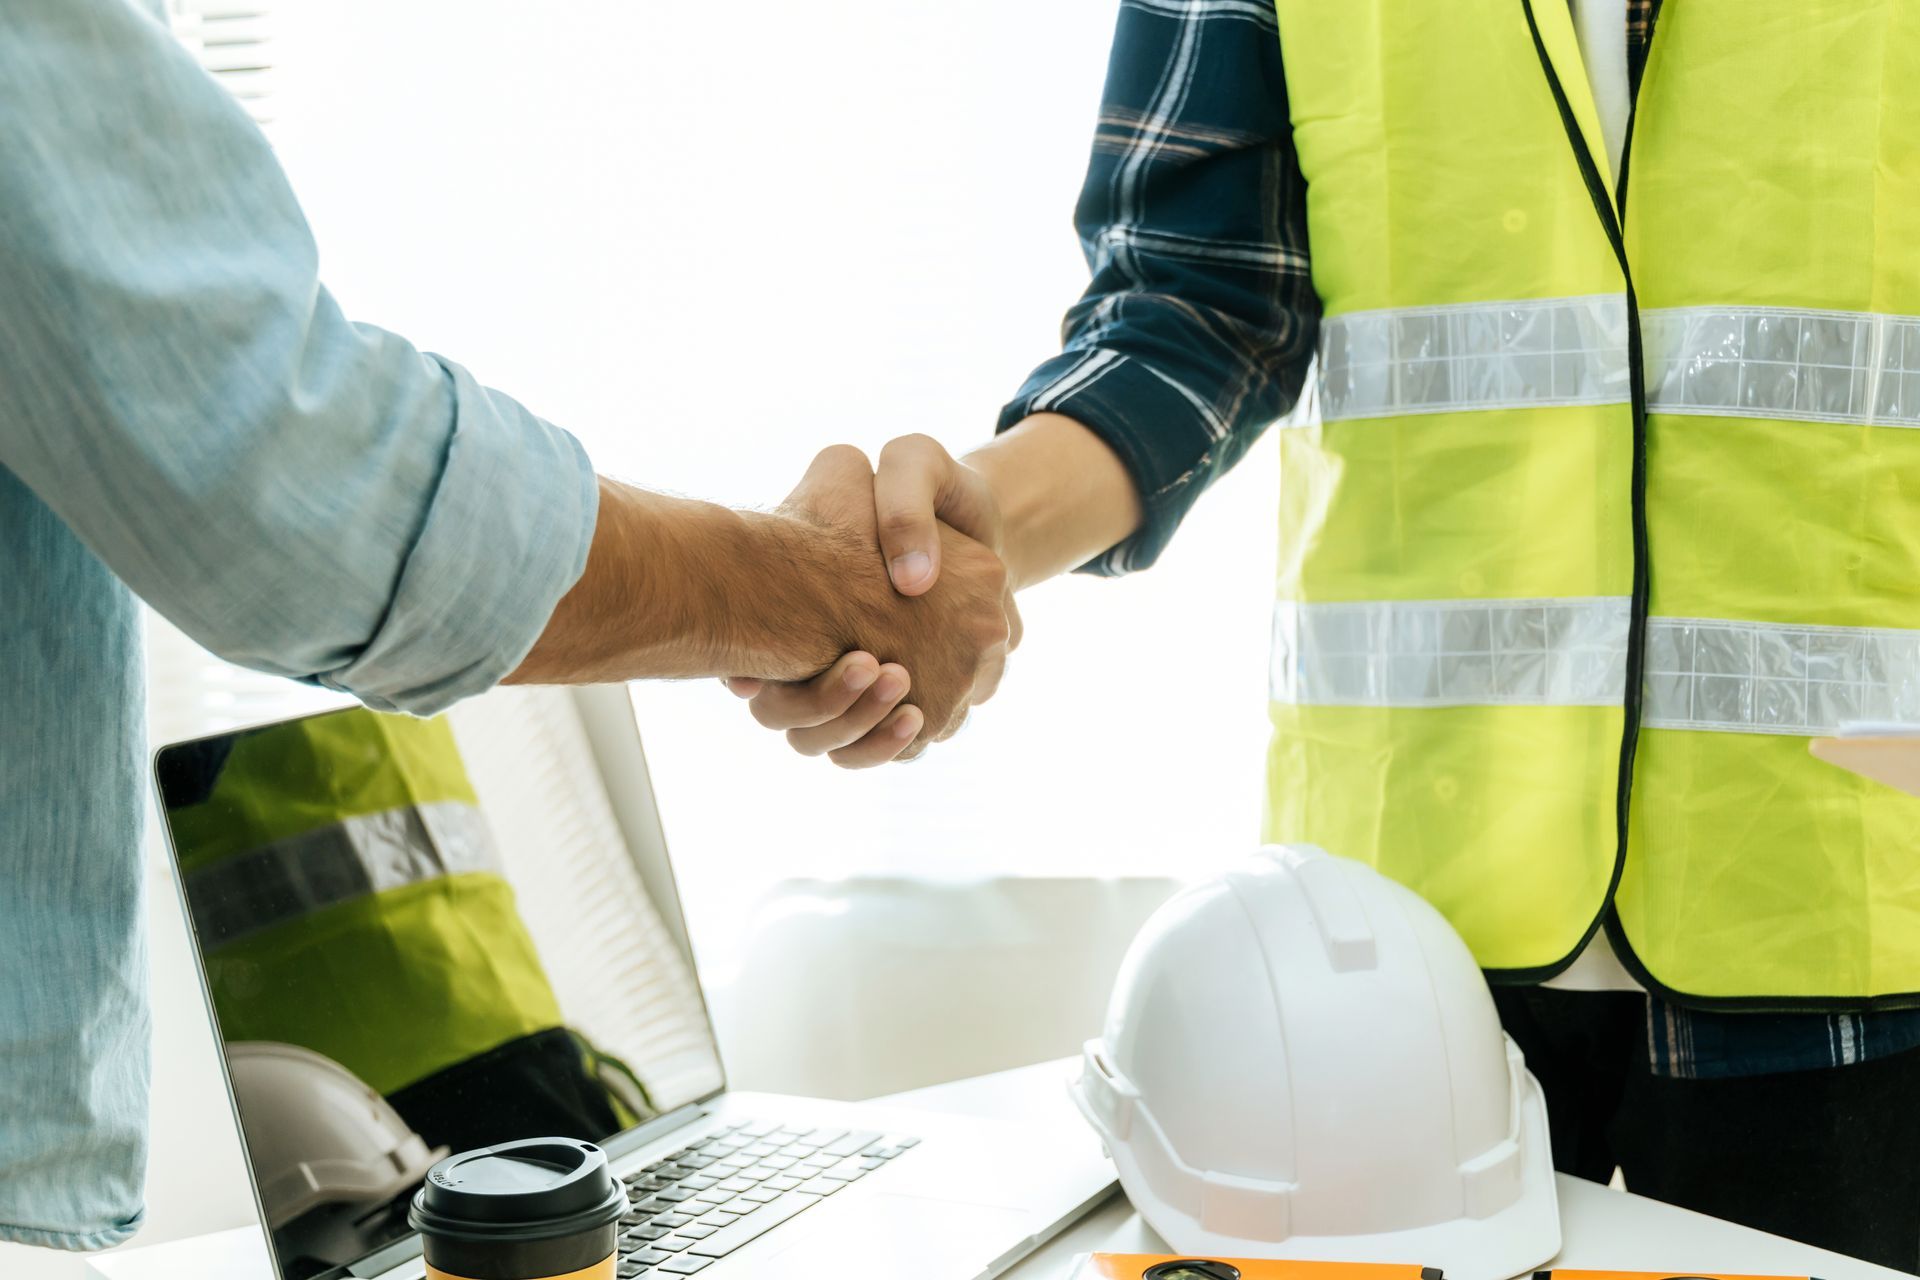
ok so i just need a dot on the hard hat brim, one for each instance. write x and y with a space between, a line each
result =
1511 1242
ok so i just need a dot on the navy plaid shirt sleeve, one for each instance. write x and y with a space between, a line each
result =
1199 324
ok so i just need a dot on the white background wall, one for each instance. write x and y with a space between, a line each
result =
709 239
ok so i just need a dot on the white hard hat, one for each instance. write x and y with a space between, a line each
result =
1302 1060
317 1134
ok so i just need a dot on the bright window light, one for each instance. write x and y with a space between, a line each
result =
711 239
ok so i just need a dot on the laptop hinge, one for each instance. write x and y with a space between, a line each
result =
631 1140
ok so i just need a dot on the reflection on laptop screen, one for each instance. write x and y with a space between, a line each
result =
423 936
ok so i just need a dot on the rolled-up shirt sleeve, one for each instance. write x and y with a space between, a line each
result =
1198 327
300 493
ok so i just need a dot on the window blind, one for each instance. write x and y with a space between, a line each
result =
233 40
191 692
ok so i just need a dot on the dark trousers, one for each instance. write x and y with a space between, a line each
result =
1830 1157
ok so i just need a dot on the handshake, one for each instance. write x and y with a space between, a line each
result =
866 614
897 612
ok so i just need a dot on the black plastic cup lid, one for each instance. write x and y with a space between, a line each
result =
535 1189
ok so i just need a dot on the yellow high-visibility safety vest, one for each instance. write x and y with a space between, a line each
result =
342 880
1611 506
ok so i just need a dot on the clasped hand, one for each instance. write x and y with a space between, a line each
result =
928 615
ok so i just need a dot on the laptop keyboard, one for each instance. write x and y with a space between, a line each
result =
737 1183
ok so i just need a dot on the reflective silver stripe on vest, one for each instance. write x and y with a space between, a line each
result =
1481 355
1749 677
1734 677
1856 367
357 856
1447 653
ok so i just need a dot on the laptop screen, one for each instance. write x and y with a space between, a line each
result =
425 936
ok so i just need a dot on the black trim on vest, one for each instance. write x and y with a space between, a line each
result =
1611 216
1603 204
1616 931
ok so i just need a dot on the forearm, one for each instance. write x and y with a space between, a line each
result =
678 588
1199 321
1064 496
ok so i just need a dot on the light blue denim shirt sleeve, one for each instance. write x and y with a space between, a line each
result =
185 412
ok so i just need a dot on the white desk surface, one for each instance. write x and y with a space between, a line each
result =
1602 1229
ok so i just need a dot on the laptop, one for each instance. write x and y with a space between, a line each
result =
418 937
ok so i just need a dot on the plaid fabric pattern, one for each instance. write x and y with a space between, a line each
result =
1691 1045
1197 332
1199 325
1639 33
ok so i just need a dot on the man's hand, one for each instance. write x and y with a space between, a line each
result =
917 489
1043 497
954 643
918 486
1046 496
680 588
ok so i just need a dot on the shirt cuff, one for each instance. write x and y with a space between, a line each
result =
1150 421
505 537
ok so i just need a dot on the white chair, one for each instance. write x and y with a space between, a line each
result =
871 985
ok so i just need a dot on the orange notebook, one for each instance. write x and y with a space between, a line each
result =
1173 1266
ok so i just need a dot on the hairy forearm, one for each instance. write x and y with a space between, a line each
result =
1064 496
678 588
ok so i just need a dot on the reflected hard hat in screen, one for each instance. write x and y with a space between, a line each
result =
317 1134
1301 1059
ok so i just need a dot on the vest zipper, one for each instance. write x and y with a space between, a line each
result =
1611 215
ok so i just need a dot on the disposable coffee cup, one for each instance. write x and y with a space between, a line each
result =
539 1209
